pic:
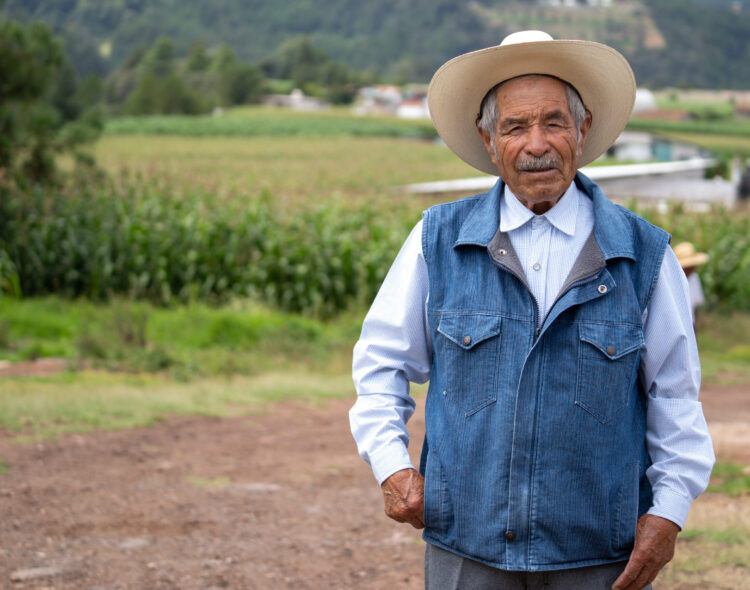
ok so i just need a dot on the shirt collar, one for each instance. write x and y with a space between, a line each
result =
513 214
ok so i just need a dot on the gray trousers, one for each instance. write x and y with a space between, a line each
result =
444 570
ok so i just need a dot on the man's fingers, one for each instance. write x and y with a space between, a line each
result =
654 547
628 576
403 494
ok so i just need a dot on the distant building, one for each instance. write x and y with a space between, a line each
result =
410 103
413 109
644 100
640 146
296 100
381 99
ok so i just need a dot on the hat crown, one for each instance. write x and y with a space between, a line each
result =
526 37
684 249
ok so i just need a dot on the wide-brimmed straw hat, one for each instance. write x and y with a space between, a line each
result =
601 75
688 257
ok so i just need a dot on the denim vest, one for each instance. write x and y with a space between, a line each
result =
535 454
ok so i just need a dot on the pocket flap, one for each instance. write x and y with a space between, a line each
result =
613 341
468 330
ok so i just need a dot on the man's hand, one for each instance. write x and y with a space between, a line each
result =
403 493
655 538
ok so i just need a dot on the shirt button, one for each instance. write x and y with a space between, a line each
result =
602 289
502 252
510 535
536 266
467 340
610 350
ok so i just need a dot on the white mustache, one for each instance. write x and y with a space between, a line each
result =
541 163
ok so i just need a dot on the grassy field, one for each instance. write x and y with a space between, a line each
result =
130 364
294 170
713 551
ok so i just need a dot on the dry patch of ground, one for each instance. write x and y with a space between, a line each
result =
279 499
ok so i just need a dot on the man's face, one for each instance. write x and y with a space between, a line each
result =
536 145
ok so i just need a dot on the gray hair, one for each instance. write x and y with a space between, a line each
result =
488 113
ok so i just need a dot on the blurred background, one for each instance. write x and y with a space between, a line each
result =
199 200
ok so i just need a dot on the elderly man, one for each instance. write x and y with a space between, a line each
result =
564 438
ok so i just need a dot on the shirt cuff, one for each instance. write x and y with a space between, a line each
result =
388 460
671 505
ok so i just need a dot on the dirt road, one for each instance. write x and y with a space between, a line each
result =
274 500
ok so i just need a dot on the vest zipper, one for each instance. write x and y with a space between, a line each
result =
537 318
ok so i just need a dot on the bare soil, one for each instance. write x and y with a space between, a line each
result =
278 499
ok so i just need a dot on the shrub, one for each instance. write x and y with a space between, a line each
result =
98 239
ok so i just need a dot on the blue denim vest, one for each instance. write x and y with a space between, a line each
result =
535 456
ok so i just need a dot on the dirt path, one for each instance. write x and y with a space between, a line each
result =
275 500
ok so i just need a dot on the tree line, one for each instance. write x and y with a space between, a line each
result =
47 108
155 80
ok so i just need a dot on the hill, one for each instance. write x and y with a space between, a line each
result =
681 43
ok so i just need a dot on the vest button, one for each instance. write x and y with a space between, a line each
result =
610 350
510 535
467 340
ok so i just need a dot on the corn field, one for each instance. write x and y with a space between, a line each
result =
96 238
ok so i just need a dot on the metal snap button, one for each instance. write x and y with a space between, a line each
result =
467 340
502 252
602 289
610 350
510 535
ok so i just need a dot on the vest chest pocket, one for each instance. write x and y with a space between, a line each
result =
607 368
467 358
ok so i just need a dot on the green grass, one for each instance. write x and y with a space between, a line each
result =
730 478
197 359
725 536
725 138
214 482
715 110
190 359
731 127
47 407
296 171
267 121
713 551
188 341
722 344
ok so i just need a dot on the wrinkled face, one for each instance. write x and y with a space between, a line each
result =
536 144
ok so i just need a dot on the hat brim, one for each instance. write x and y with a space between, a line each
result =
694 260
601 75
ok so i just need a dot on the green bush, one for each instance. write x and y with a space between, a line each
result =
98 239
725 236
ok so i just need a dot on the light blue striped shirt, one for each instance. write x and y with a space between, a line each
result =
395 348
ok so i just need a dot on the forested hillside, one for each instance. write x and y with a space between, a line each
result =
686 43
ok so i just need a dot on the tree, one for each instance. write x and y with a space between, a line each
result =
197 59
238 83
312 70
35 120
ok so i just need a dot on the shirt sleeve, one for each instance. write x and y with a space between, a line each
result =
394 349
677 435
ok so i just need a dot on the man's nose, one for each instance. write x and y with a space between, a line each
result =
536 141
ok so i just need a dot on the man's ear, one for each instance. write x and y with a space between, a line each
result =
487 139
583 131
